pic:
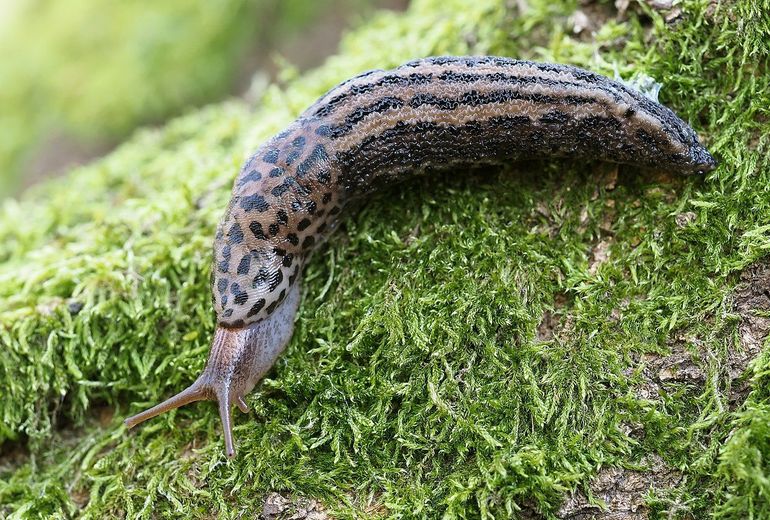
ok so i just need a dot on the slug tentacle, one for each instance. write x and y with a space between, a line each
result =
192 393
237 361
387 125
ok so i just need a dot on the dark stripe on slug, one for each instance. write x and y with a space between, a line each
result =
513 73
471 98
555 117
390 80
483 142
582 80
381 105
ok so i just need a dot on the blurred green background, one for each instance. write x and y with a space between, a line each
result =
77 76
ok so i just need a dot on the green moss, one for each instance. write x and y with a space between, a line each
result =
85 75
415 384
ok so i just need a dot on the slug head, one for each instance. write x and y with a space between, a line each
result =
700 160
237 361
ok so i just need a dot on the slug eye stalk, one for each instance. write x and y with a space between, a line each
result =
239 358
203 389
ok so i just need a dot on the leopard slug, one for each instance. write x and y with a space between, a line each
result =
380 127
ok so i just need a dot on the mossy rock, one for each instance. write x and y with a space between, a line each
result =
482 344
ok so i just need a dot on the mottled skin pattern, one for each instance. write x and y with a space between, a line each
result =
385 126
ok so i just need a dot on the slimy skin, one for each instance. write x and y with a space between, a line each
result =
382 127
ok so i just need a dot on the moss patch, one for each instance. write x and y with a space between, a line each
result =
472 344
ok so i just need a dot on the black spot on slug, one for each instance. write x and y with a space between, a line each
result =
293 156
245 263
277 279
303 224
280 189
294 275
240 296
257 231
271 156
308 242
252 176
256 308
254 202
235 234
261 278
316 158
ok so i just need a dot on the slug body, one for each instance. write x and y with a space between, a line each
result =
383 126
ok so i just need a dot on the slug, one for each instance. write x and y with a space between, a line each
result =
380 127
